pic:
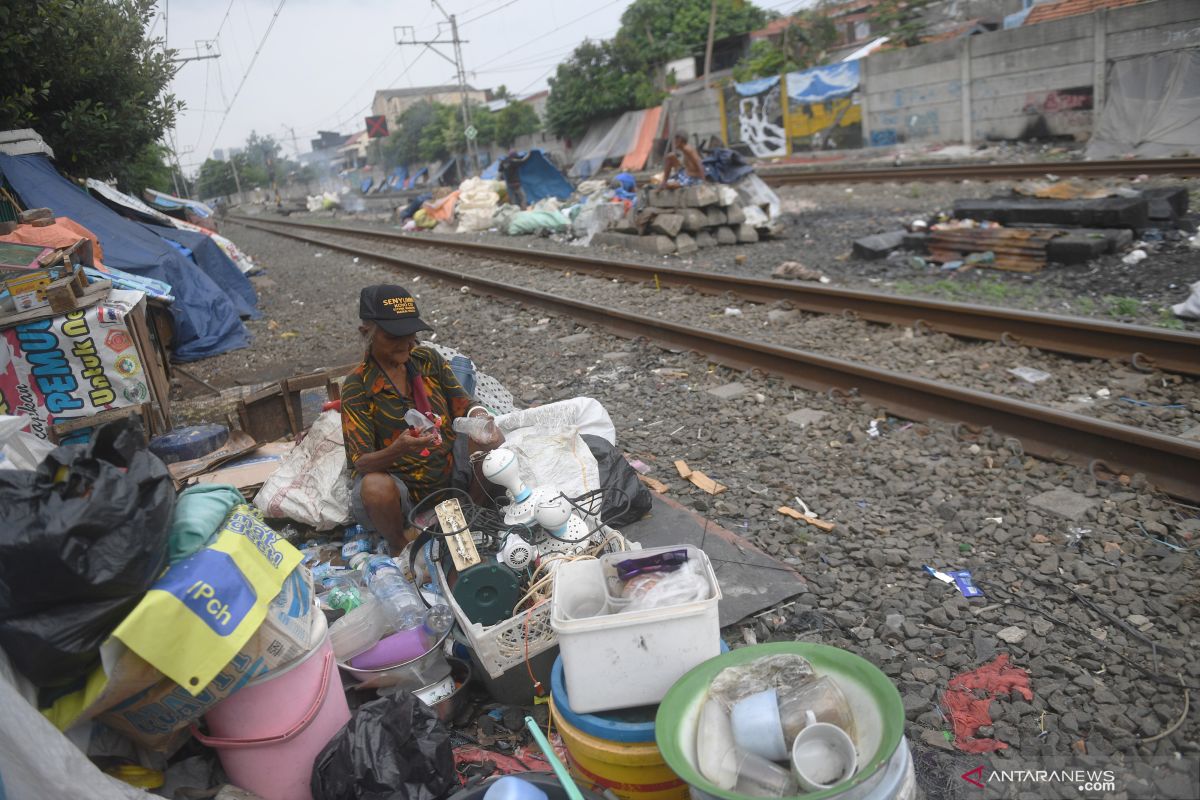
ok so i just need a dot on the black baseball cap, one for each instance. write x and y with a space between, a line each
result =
391 308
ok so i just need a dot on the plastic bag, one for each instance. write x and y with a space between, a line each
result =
20 449
81 539
662 589
594 218
394 748
312 484
535 223
769 672
626 499
753 191
1190 308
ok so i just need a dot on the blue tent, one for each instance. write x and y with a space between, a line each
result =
206 318
541 179
218 266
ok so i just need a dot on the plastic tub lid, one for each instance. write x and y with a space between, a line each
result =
631 725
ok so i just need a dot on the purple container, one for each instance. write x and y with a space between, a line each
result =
395 649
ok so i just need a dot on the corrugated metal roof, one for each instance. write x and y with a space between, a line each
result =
1047 12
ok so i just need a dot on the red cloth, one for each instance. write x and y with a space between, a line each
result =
969 696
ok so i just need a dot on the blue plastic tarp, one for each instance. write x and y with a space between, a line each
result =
819 84
491 171
206 318
540 179
756 86
218 266
726 166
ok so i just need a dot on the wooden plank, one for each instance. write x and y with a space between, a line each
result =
153 363
788 511
59 429
96 292
656 486
683 468
706 483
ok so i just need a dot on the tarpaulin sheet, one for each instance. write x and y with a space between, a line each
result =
822 83
216 264
171 202
63 233
492 171
636 158
1151 107
206 320
618 139
541 179
756 86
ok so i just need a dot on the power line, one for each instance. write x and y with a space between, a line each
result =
224 19
246 74
541 36
488 13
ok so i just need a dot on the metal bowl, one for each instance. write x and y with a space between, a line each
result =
448 707
414 674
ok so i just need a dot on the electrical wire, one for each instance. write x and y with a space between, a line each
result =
246 74
487 13
541 36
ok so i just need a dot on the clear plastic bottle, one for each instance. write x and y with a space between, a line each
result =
356 541
439 619
402 604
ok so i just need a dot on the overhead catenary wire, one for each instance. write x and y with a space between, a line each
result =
250 68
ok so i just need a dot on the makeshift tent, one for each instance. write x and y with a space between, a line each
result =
1151 108
416 176
541 179
648 131
607 139
442 170
492 171
206 319
168 202
216 265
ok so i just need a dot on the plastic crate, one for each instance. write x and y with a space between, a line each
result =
502 646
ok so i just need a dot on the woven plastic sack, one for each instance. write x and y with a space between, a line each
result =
550 446
312 483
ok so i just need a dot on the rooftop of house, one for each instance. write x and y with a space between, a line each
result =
1047 12
420 91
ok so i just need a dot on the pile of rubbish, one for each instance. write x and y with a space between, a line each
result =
1042 223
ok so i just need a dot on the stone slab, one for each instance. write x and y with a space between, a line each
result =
694 219
1167 204
729 391
664 198
1105 212
685 244
726 235
806 416
1063 503
699 196
878 245
746 234
667 224
715 215
734 215
655 245
705 239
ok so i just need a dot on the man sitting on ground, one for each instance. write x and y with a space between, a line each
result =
684 162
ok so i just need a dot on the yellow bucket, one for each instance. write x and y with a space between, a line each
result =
633 771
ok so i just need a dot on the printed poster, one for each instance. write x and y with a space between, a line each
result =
73 365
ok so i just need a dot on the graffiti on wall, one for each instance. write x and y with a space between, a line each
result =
1057 113
755 110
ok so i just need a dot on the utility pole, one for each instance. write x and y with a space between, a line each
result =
236 180
406 35
712 30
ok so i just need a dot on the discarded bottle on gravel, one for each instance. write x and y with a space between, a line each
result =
402 604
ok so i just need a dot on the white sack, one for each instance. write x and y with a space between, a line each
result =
312 483
18 448
1190 308
549 440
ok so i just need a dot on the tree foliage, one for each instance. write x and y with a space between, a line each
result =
83 74
902 20
805 43
515 119
609 77
429 131
148 169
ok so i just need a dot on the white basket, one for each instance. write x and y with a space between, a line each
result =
502 646
629 658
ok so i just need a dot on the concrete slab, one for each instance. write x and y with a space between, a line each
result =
1063 503
751 581
734 215
1168 204
715 216
685 244
729 391
705 239
746 234
725 235
806 416
878 245
1105 212
694 219
667 224
699 196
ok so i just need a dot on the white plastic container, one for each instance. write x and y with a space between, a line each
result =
630 658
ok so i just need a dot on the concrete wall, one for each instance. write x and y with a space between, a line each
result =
1038 81
696 111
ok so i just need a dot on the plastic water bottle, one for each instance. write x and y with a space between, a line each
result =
343 593
402 604
356 541
439 619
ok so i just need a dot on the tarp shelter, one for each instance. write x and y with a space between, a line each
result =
1151 107
607 139
442 170
416 176
647 132
492 171
541 179
216 265
206 318
168 202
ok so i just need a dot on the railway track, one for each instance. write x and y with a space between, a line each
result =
1106 448
792 176
1142 347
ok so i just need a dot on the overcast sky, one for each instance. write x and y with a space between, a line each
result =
322 62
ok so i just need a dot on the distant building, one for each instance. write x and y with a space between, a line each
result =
393 102
219 154
1048 10
354 152
538 101
328 139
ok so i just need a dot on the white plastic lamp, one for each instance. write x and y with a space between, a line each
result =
500 467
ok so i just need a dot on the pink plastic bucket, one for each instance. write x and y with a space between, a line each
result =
269 733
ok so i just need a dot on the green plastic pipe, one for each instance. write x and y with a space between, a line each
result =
564 777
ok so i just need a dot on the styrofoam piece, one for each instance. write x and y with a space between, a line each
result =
631 658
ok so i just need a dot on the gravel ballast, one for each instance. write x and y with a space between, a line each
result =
1042 540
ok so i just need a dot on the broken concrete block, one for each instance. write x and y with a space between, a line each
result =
700 196
716 216
1076 247
626 224
806 416
705 239
729 391
694 219
667 224
878 245
1063 503
1104 212
916 241
664 198
746 234
685 244
734 215
654 245
725 235
1167 204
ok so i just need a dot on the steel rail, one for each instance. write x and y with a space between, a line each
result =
791 176
1141 346
1173 464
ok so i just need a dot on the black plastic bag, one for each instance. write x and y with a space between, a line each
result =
81 539
394 748
620 484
